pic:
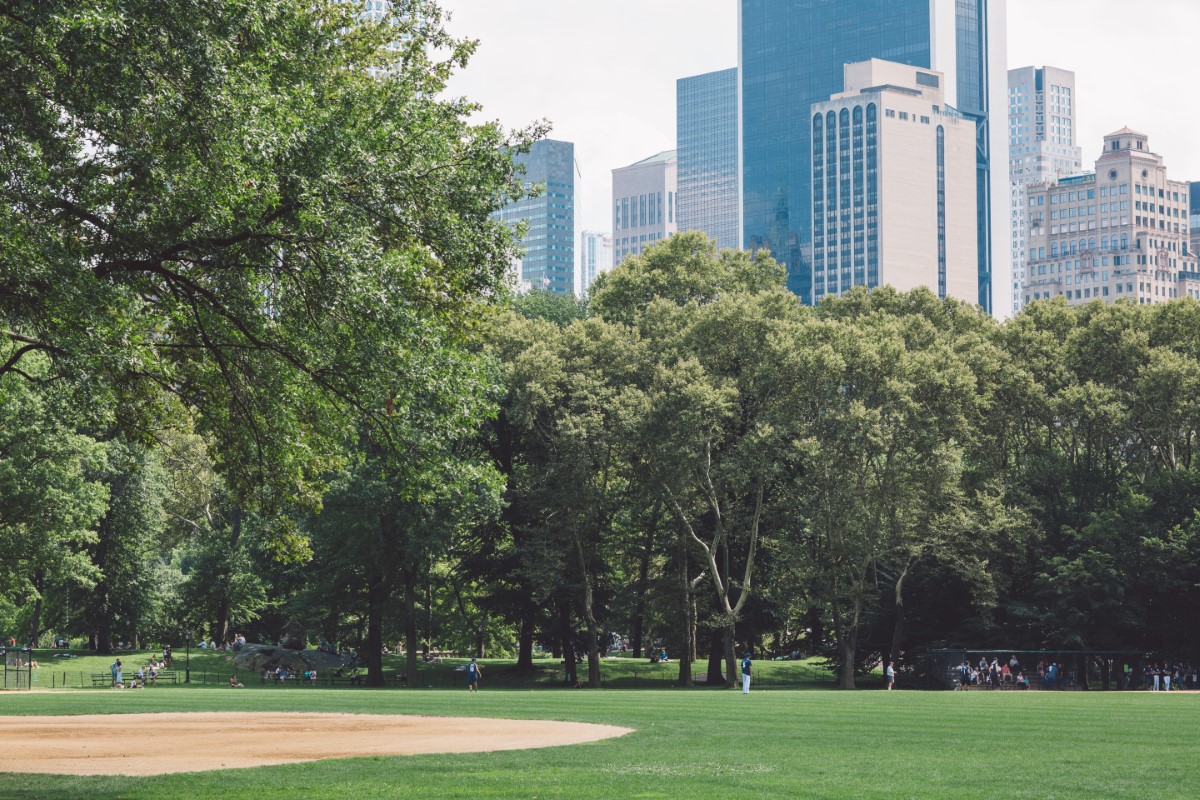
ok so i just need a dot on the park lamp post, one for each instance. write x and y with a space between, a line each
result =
187 662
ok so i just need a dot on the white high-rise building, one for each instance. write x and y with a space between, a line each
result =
644 204
791 55
894 193
595 258
1042 129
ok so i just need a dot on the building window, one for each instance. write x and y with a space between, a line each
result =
941 201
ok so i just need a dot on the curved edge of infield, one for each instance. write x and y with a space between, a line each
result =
204 741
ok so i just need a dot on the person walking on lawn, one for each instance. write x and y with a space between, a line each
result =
473 670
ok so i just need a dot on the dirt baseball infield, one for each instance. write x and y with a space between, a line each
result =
158 744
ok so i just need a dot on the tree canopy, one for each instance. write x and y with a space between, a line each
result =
257 214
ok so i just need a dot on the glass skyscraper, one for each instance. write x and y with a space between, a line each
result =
793 53
551 255
707 125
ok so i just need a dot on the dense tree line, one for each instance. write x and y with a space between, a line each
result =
258 364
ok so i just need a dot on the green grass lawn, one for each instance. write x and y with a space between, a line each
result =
699 744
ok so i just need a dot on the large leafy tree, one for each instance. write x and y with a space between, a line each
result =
255 211
50 497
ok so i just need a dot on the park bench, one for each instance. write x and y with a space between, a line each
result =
296 679
102 679
347 680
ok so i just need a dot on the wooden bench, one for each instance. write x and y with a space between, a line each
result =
296 679
347 680
102 679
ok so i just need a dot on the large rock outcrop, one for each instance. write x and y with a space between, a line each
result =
257 657
293 637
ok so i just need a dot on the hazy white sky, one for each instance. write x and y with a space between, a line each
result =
603 71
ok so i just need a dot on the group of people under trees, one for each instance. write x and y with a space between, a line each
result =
992 674
237 642
1158 676
1166 677
146 675
282 675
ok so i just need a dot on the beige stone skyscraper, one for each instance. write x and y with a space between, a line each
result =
1042 109
894 185
644 206
1118 232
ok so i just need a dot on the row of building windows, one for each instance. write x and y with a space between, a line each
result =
643 210
845 200
633 245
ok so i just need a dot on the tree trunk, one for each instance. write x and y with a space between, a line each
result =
729 643
411 643
684 585
847 644
103 633
716 657
35 625
427 639
525 643
898 630
693 624
223 610
1081 668
374 655
730 624
643 581
816 630
639 609
593 634
568 643
685 605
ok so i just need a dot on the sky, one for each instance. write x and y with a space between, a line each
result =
603 72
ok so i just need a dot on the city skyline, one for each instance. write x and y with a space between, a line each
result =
675 39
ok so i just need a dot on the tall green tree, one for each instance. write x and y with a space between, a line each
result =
254 211
51 499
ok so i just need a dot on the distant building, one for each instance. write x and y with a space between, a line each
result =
1042 108
1194 197
791 55
1119 232
596 258
373 10
644 204
707 142
550 252
893 169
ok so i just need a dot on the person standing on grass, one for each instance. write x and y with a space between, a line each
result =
891 675
473 670
746 665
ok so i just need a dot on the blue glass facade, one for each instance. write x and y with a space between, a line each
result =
845 165
550 258
707 119
792 56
